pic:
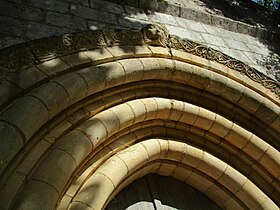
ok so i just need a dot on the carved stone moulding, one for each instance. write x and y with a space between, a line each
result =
15 59
22 56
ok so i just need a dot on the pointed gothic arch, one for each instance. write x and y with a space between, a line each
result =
72 105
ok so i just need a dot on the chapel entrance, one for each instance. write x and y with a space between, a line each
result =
154 192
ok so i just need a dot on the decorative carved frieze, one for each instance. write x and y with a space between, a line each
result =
50 48
158 36
214 55
123 37
15 59
19 57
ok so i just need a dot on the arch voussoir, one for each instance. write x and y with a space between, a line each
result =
83 123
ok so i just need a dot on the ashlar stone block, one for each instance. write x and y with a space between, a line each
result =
199 181
75 143
28 114
102 188
94 78
33 199
62 166
11 142
75 86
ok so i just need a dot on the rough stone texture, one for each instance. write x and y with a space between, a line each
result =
107 121
34 188
37 19
8 148
68 21
111 7
65 79
53 5
216 173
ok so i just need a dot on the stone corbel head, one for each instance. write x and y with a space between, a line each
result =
155 35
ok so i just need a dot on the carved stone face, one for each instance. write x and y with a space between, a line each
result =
153 32
155 35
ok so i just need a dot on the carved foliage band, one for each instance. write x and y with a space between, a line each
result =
214 55
20 57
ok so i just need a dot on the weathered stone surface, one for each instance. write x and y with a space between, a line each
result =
270 159
257 48
166 169
99 55
38 31
237 54
28 116
214 40
7 41
212 166
123 38
77 59
251 201
114 74
136 13
16 181
65 201
27 78
7 26
163 18
233 91
138 109
75 143
236 45
54 97
93 14
33 199
205 119
67 21
184 33
95 130
81 2
216 193
53 5
93 184
98 25
216 76
231 204
128 22
124 114
75 86
95 79
151 68
238 136
192 25
9 91
31 159
250 100
76 205
221 126
198 181
11 142
106 6
57 160
53 67
21 12
133 70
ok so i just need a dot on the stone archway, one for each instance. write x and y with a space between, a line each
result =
160 192
94 111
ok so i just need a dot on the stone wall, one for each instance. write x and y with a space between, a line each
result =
83 115
23 21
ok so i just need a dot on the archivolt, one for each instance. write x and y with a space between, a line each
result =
79 113
190 122
169 158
